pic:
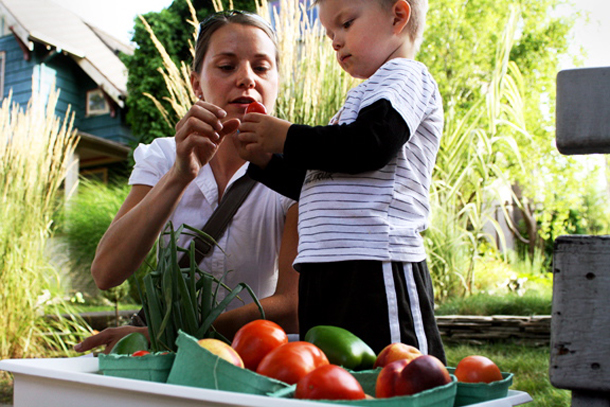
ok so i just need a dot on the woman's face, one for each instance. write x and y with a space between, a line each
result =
238 68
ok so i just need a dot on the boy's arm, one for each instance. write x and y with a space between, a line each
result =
279 176
367 144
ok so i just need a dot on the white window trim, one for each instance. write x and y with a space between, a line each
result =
97 112
2 72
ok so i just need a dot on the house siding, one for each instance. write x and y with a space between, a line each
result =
47 68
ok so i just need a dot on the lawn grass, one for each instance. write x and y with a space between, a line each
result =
106 308
531 303
529 365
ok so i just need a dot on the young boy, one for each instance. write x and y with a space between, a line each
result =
363 181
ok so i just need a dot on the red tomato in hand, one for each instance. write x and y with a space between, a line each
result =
257 338
329 382
477 369
291 361
140 353
256 107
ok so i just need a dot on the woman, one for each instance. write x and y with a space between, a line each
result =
181 179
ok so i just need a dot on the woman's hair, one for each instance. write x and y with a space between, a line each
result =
217 20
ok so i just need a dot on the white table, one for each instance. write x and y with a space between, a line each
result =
63 382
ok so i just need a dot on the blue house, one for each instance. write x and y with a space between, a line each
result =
43 44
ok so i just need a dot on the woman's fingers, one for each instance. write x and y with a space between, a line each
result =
202 118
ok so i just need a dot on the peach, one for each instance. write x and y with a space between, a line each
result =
396 351
222 350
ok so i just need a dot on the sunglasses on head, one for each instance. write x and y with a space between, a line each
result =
228 14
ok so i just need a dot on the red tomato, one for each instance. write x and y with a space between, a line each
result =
477 369
140 353
257 338
292 361
256 107
329 382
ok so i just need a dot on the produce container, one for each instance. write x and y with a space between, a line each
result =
442 396
196 366
472 393
154 367
61 382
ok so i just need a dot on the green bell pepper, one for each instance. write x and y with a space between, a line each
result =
129 344
342 347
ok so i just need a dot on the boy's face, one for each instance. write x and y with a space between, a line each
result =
361 32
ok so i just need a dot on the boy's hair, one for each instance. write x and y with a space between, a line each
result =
417 22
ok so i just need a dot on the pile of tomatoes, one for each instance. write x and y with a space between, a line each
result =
264 348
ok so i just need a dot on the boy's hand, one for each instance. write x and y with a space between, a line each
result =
259 133
251 153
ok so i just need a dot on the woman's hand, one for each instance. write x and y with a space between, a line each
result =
108 337
198 135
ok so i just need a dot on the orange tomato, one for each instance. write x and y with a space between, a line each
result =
257 338
140 353
292 361
477 369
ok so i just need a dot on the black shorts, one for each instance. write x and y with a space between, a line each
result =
381 303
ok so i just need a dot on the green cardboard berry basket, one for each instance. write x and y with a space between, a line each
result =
197 367
154 367
472 393
442 396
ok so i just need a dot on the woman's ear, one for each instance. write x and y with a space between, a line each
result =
402 14
196 85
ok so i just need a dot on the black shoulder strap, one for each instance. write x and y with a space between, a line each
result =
217 224
215 227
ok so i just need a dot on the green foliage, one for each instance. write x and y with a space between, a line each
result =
529 365
86 218
459 50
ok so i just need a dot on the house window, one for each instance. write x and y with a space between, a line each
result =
2 60
97 103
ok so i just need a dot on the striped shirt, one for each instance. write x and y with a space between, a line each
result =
377 215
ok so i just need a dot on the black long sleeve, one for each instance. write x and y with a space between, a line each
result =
366 144
280 177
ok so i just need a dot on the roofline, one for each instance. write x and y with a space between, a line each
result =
79 57
98 77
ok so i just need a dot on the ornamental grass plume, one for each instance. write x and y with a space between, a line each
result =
36 150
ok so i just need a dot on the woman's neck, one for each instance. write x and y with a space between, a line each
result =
225 164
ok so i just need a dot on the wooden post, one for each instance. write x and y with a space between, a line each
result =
580 326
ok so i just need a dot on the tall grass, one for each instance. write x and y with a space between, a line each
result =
468 179
35 152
